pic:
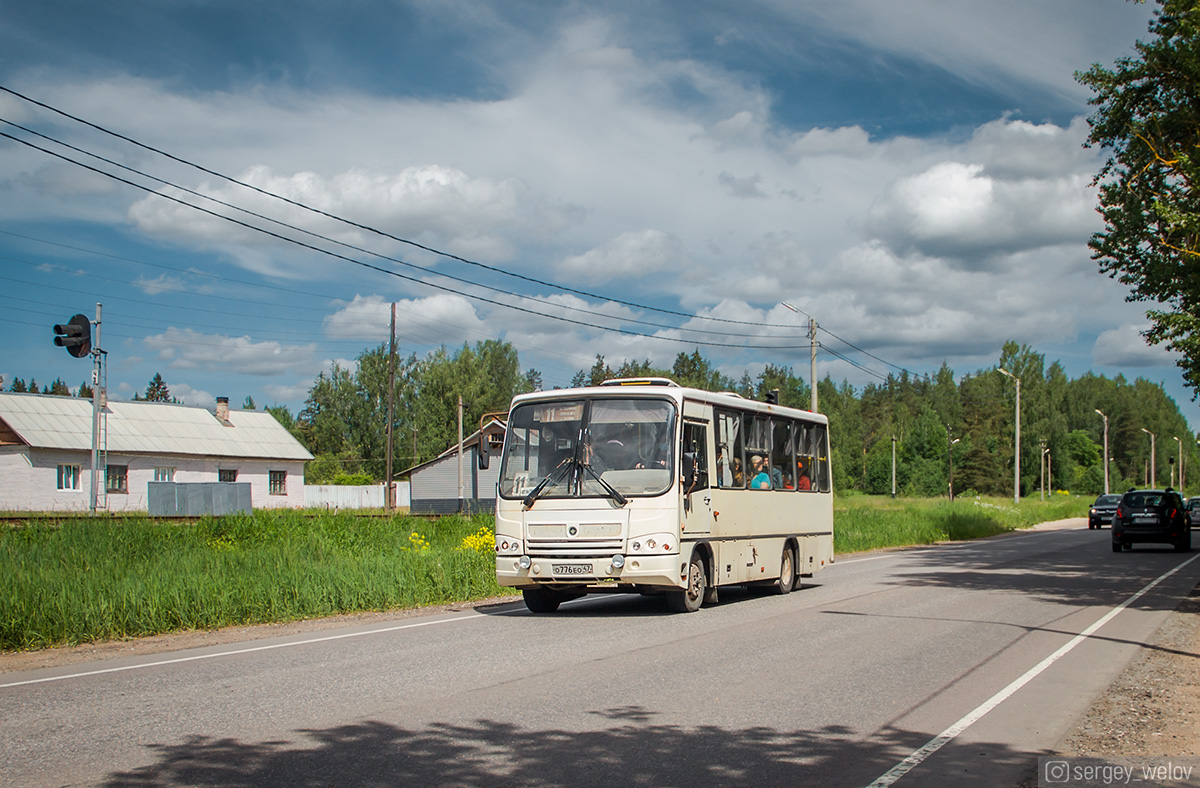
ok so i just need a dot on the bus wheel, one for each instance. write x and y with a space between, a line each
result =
787 573
540 600
689 599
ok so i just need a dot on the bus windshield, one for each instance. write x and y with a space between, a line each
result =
589 447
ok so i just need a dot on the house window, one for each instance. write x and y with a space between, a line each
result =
164 474
277 482
116 479
68 477
227 475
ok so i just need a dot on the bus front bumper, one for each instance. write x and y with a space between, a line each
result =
654 571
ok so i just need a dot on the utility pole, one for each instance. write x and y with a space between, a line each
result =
1042 467
1105 449
97 355
1016 440
461 491
893 466
812 359
389 494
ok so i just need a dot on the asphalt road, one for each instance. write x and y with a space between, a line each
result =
973 647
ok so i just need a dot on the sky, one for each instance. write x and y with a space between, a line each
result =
633 179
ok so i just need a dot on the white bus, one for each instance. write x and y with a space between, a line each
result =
639 485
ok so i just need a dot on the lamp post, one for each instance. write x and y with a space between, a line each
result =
1042 467
812 358
1105 449
1016 439
1180 485
1153 483
950 456
893 466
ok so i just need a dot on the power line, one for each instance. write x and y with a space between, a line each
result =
414 244
364 227
379 269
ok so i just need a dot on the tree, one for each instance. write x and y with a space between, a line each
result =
157 391
18 385
249 403
1148 116
57 388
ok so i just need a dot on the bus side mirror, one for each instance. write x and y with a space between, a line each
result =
689 469
485 452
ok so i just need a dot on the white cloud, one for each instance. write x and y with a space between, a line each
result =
189 395
1125 346
436 320
631 254
188 349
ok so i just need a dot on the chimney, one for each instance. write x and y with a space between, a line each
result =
223 411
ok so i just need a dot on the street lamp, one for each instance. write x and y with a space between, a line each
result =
812 358
1105 449
1180 485
1016 439
950 455
1153 483
893 466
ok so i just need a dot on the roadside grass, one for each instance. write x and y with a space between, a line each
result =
96 579
77 579
865 522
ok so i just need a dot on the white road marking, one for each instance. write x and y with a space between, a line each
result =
948 735
250 650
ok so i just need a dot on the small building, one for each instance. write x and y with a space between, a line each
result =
45 453
434 485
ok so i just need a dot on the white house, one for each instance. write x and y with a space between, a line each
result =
434 484
45 453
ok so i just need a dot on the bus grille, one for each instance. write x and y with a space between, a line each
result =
575 539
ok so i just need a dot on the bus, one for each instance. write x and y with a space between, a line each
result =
644 486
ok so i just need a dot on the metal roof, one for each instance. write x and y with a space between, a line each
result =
52 422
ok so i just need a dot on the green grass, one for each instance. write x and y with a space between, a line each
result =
871 522
77 579
96 579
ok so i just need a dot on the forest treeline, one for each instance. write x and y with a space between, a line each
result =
968 419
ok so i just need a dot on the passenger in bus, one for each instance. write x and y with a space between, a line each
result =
724 474
802 480
739 478
760 477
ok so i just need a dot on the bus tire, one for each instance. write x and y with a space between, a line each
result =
688 600
541 600
787 572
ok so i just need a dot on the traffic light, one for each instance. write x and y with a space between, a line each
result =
75 336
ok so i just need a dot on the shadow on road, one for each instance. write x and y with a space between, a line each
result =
1080 577
635 752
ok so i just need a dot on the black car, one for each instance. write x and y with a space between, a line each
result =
1102 510
1151 516
1193 510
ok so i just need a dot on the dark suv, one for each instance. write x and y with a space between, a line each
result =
1151 516
1102 510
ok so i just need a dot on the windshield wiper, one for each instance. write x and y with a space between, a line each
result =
553 478
612 492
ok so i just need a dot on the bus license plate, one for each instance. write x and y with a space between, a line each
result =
571 569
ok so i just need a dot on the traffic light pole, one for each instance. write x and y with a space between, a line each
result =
96 380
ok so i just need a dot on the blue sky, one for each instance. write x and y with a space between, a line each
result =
911 174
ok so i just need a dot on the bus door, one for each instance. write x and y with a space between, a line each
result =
696 503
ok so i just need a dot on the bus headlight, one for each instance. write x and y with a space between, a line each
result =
524 562
654 544
618 561
507 545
